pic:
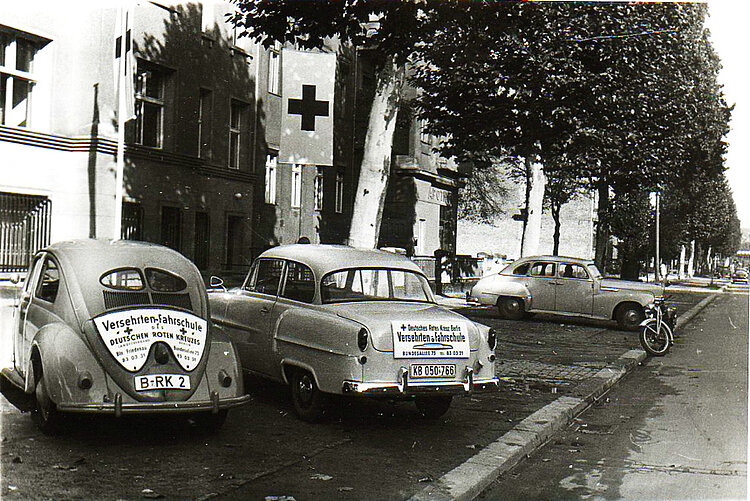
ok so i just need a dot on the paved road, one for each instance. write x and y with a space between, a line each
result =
367 450
675 428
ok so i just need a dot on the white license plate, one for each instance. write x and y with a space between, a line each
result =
432 370
162 382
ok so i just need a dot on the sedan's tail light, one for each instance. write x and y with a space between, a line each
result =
492 338
362 339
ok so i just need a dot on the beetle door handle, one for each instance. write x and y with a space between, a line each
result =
265 309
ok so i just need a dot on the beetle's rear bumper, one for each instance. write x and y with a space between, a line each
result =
117 407
406 387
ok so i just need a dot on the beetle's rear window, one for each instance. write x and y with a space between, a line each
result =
124 279
163 281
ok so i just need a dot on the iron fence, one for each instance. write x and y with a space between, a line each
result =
24 228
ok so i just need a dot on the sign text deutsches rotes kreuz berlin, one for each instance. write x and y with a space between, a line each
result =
430 339
129 335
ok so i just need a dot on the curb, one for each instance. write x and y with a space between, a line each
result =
469 479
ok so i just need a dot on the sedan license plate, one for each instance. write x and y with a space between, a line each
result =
162 382
432 370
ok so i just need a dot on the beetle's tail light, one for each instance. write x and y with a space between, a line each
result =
362 339
225 379
492 338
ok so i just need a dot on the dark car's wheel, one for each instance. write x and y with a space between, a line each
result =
433 407
209 422
310 403
45 413
511 308
630 316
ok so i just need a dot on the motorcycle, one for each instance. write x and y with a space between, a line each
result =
657 330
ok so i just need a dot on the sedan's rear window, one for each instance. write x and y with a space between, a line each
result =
370 284
163 281
124 279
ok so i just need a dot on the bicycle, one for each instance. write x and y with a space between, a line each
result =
657 330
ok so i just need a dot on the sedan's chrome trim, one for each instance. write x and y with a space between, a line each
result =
405 388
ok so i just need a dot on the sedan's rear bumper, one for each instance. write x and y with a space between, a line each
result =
117 407
406 388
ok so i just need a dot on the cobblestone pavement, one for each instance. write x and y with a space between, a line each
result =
369 449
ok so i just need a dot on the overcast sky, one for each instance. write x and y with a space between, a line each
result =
729 22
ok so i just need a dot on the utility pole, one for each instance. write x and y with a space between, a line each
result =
657 268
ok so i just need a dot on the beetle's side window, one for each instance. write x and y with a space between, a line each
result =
300 283
31 276
49 284
543 270
570 270
522 270
268 276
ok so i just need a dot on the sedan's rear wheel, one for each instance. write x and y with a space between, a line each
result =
433 407
511 308
310 403
45 413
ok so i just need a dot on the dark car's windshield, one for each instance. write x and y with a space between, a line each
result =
374 284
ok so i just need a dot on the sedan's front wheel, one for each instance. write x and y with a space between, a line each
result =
433 407
511 308
630 316
310 403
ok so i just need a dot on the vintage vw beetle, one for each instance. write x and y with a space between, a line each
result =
120 327
565 286
331 319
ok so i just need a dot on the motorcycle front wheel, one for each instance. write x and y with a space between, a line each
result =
655 340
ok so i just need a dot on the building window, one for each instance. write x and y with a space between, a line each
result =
339 192
271 164
423 135
318 189
205 113
149 105
274 71
296 186
17 80
202 240
132 221
236 121
235 240
171 227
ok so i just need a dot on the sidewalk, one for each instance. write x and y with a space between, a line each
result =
586 384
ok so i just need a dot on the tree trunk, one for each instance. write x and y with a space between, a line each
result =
537 181
681 273
602 230
367 212
555 209
630 267
691 260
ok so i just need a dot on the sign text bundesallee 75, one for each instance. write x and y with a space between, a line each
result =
430 340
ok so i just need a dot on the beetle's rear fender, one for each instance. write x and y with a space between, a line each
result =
223 361
66 362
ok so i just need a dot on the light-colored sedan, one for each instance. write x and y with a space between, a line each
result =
330 319
567 286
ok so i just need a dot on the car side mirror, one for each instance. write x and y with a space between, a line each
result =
216 283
